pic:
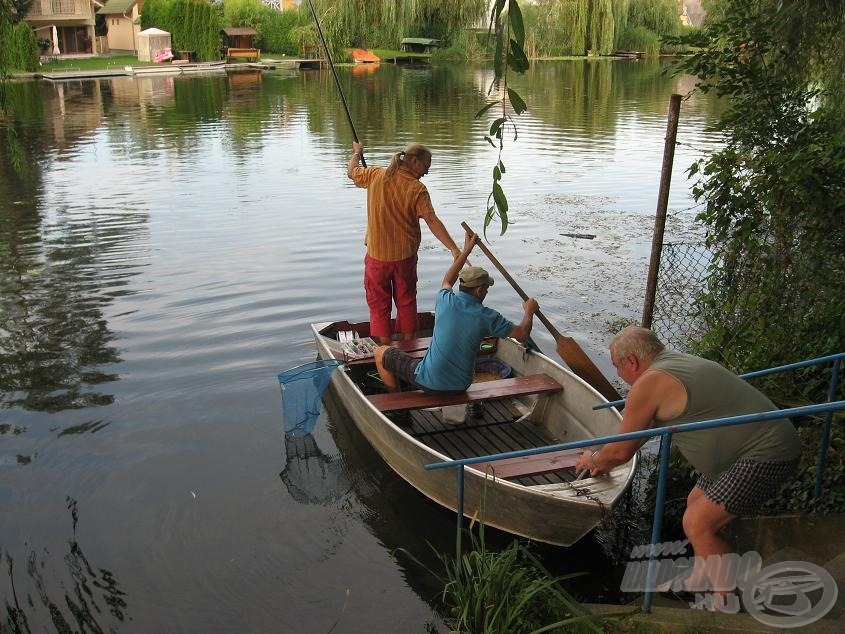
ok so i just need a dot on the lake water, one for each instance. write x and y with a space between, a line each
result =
165 243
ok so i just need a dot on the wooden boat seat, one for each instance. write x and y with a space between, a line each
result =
484 391
530 465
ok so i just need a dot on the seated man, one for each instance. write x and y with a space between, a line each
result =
460 323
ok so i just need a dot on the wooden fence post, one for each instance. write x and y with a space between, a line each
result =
662 203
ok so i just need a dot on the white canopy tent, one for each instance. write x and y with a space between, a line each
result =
152 42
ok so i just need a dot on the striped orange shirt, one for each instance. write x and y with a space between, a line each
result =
395 207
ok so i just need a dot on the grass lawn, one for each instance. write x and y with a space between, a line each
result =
92 63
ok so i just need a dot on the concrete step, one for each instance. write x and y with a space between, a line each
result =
683 619
814 539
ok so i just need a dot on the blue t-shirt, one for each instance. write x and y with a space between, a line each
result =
461 321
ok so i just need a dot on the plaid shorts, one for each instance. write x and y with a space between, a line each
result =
747 484
401 364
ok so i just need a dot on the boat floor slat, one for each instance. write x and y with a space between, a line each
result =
497 430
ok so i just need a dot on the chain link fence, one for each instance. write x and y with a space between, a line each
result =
680 280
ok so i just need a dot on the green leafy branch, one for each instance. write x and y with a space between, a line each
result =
509 55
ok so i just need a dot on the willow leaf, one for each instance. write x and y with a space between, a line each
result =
487 107
496 127
518 59
499 56
516 102
500 198
517 26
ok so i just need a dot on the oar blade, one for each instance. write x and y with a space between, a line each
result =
578 361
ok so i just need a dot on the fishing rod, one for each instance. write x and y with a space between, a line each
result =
336 80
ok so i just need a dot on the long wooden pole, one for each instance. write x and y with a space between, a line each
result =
336 80
662 205
566 347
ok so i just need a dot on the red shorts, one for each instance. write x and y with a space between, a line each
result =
386 283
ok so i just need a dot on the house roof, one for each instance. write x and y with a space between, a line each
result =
116 6
154 31
240 30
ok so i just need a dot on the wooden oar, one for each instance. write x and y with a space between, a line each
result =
566 347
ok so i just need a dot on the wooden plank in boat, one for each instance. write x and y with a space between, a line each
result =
531 465
485 391
498 431
421 343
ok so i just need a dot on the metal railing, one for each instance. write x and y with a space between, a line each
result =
666 444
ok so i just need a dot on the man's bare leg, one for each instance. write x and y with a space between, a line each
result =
388 378
702 521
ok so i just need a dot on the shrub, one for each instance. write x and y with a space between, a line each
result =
18 48
639 38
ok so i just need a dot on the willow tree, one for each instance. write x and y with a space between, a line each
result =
620 18
658 16
563 26
600 34
383 23
447 18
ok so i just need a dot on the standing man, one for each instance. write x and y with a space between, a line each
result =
741 466
396 201
461 321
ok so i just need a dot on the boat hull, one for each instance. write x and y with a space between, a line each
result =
560 513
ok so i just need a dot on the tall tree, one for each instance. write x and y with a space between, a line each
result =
775 194
383 23
13 11
563 27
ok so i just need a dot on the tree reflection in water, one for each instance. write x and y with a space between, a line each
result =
91 602
58 272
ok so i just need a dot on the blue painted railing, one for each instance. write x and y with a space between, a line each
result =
666 444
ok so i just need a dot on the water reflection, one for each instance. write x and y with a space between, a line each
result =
416 525
54 339
82 597
310 476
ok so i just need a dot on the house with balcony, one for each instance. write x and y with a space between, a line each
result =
68 24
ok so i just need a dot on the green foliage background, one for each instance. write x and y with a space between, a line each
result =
775 207
575 27
193 25
775 195
282 32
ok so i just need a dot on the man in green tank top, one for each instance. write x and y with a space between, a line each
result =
741 465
